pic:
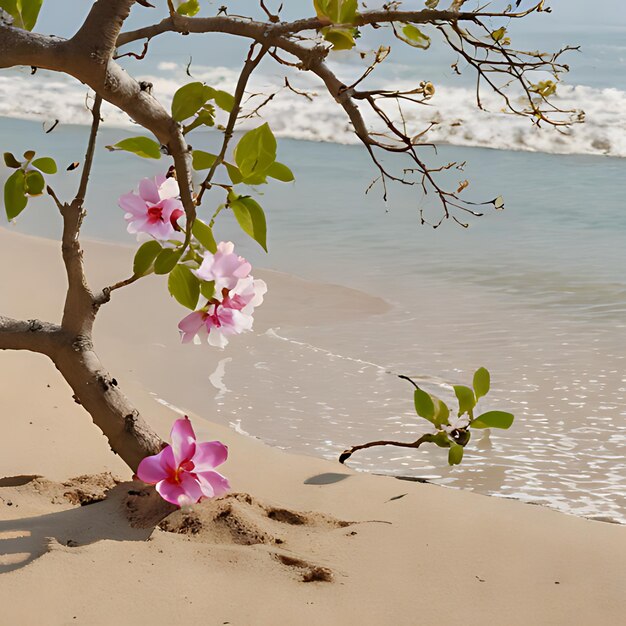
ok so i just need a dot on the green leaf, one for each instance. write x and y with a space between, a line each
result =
15 199
11 161
256 151
202 160
189 8
34 183
224 100
544 88
233 173
441 439
184 286
189 99
455 454
415 37
24 12
207 289
203 233
251 218
30 12
166 260
340 38
46 164
442 412
280 172
145 256
498 35
493 419
141 146
432 4
466 398
337 11
482 381
424 405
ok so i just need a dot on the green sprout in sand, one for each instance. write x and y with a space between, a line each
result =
452 431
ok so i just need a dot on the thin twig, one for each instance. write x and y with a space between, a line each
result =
249 66
346 454
84 179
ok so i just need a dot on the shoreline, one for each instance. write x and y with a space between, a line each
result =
293 309
300 539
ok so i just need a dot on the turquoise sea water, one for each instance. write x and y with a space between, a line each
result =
537 293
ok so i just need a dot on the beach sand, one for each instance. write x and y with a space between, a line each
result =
300 540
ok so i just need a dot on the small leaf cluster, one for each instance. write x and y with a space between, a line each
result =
544 88
177 262
454 433
27 181
253 162
188 8
500 36
339 14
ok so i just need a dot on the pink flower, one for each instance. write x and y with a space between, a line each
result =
224 267
232 316
183 472
155 210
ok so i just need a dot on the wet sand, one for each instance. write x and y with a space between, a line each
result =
306 541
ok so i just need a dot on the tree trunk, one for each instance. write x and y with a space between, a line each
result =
128 434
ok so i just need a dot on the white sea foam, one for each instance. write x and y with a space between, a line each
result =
52 96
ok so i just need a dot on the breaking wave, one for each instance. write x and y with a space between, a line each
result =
458 122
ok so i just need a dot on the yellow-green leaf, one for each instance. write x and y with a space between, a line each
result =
481 383
145 256
34 183
251 218
46 164
493 419
455 454
141 146
415 37
184 286
15 199
203 233
466 399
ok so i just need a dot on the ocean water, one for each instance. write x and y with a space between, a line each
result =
536 293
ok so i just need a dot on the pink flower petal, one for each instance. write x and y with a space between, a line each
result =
213 484
149 191
168 189
191 487
186 491
192 322
170 490
183 441
192 325
169 205
133 204
155 468
208 455
217 339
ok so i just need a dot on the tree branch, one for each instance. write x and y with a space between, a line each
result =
33 335
346 454
260 30
249 67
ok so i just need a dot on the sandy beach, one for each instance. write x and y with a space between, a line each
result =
300 540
